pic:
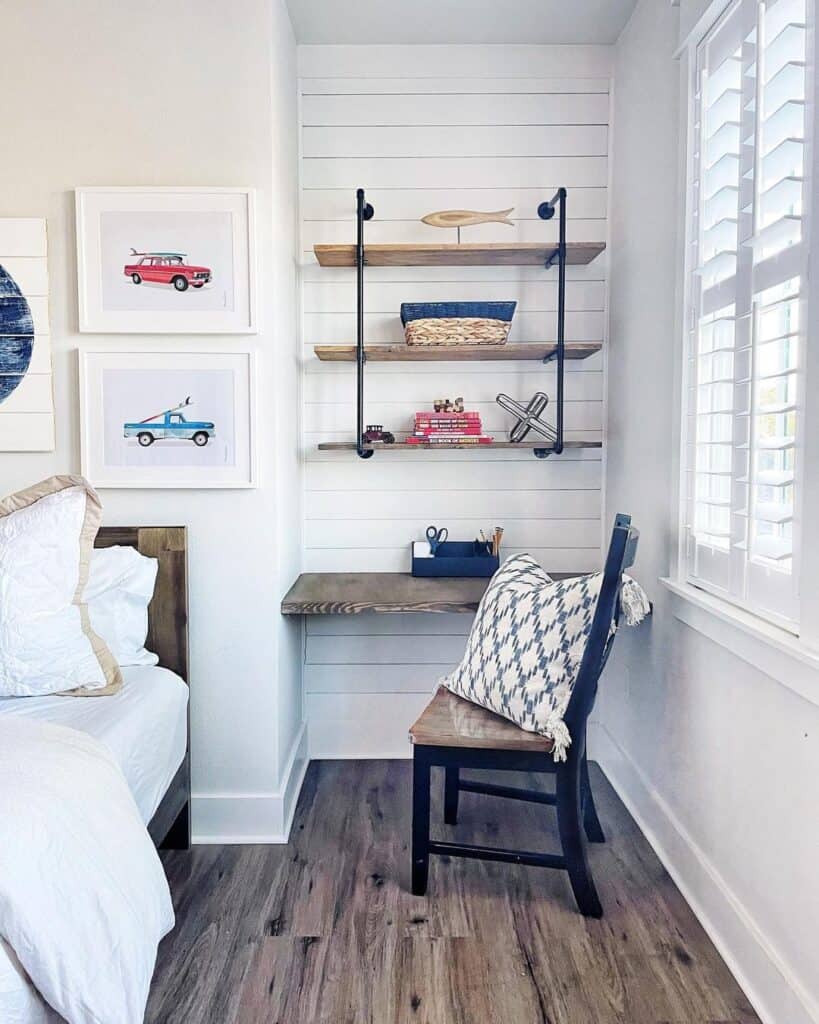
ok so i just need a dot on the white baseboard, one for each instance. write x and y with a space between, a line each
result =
231 818
367 755
778 996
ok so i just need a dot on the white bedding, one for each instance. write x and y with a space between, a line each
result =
144 728
83 897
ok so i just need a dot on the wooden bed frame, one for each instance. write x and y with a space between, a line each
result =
170 827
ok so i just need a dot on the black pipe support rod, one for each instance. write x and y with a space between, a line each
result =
364 211
546 211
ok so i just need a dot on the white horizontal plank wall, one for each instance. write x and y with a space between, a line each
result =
424 129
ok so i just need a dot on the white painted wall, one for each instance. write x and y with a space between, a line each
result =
425 128
717 760
183 94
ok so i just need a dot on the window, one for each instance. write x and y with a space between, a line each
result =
746 304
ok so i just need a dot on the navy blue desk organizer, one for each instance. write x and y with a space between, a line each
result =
457 558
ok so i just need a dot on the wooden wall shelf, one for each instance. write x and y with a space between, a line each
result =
467 254
350 593
536 351
401 446
475 254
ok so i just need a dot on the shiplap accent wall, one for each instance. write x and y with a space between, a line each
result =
423 129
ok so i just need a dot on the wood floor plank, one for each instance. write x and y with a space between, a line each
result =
324 929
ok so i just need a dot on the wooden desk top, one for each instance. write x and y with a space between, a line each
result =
348 593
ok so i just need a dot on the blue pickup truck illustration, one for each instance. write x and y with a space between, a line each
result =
170 423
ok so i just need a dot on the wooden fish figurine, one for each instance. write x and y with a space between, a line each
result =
465 218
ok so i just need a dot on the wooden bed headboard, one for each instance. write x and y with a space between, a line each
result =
168 611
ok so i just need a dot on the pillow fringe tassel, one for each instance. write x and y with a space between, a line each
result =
634 602
557 730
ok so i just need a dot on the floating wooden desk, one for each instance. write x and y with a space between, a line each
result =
348 593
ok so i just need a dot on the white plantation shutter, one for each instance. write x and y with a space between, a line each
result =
745 362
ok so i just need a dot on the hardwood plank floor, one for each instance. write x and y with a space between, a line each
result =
325 931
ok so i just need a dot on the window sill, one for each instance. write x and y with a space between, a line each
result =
769 649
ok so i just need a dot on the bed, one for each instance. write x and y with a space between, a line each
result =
169 825
144 726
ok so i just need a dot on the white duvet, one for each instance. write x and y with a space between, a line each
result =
83 897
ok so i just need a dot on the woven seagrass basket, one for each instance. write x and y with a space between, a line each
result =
456 330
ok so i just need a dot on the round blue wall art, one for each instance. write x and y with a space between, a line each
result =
16 335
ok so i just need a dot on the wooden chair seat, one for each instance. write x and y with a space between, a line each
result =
451 721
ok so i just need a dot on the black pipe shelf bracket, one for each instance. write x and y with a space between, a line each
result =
363 212
546 211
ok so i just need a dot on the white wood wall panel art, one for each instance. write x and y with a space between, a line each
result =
457 139
26 391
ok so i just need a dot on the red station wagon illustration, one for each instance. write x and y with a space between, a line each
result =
166 268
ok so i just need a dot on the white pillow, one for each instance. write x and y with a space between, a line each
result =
120 588
47 644
527 642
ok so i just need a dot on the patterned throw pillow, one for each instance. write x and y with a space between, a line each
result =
525 647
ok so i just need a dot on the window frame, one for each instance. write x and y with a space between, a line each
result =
806 553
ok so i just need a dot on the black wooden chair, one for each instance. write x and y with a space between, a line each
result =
455 733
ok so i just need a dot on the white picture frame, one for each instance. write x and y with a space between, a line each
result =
213 229
116 387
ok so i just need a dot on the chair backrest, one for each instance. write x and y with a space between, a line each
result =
621 555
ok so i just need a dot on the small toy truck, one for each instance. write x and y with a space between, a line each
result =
170 423
166 268
375 434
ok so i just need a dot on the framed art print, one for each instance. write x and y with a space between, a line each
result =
166 260
167 419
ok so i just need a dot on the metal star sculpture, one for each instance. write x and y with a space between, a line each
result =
528 416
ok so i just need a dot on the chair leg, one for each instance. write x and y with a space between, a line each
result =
591 822
451 793
572 838
420 821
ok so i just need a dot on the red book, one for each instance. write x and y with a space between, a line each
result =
454 439
431 431
426 414
448 423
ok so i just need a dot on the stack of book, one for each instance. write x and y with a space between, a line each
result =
448 428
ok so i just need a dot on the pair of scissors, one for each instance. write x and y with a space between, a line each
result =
436 537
